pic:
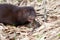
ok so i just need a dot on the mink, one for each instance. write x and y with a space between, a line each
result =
15 15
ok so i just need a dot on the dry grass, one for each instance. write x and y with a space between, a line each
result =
49 30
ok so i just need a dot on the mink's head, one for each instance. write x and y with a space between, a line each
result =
27 14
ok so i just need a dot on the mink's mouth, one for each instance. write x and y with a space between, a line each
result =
30 20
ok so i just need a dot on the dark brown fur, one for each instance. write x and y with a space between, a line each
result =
14 15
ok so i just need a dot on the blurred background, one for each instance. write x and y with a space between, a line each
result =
48 15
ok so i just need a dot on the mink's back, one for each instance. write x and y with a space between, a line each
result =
7 13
